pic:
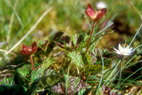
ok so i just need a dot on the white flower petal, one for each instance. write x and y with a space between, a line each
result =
115 49
120 47
124 50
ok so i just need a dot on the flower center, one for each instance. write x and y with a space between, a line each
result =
95 15
29 49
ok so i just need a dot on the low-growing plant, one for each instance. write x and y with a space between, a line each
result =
72 64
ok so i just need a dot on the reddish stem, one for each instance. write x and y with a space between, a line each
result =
89 39
32 62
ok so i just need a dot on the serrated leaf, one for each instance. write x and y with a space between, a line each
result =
24 70
76 58
39 73
86 58
7 81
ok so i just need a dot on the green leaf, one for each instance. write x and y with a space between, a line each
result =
76 58
81 92
39 73
86 58
24 70
7 81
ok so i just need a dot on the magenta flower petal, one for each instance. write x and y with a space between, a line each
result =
90 11
27 50
95 15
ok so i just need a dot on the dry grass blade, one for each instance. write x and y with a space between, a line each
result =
31 29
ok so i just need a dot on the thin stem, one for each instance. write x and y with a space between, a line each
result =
120 76
91 34
32 61
135 35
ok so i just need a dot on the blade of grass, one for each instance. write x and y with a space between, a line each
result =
137 78
135 35
11 23
31 30
130 2
101 79
104 29
130 76
113 73
122 68
102 68
15 12
4 51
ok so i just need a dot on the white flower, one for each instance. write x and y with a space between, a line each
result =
101 5
124 50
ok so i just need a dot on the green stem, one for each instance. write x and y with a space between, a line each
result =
135 35
113 73
120 76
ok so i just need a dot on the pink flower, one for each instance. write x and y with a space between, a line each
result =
28 50
95 15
